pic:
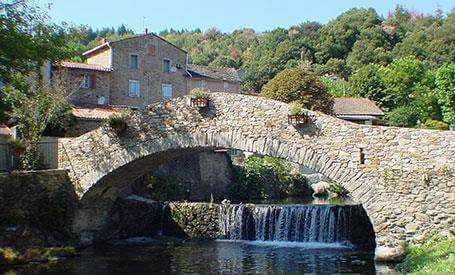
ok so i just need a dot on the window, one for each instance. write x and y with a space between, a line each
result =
134 88
151 50
85 81
133 64
167 90
166 66
202 84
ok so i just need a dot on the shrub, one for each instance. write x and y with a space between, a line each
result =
198 93
435 256
302 85
115 120
16 144
296 108
435 124
266 178
163 188
338 189
404 116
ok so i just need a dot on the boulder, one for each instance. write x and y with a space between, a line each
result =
389 254
321 189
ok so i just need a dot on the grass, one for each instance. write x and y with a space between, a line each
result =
435 256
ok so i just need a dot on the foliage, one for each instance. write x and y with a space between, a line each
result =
335 86
164 188
296 108
445 89
35 104
338 189
435 124
299 84
266 177
116 120
198 93
16 144
367 82
435 256
403 116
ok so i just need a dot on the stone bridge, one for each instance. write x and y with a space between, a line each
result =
406 182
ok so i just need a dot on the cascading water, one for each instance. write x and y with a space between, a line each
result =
290 223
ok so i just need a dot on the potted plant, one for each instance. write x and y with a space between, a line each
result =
17 148
199 98
117 123
297 115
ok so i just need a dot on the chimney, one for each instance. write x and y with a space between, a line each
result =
146 31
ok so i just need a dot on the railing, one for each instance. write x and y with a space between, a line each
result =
48 149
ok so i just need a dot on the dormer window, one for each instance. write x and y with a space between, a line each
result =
166 66
133 63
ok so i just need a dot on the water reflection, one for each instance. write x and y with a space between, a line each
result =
210 258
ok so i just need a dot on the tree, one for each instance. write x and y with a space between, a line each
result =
299 84
26 42
367 82
35 105
445 89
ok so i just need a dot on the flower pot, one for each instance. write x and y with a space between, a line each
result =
298 120
119 128
17 152
199 102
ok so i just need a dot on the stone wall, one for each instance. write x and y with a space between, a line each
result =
405 182
192 220
198 177
90 96
36 208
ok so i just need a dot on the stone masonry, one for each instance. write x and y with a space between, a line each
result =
406 182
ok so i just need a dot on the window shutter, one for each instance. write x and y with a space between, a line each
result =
93 81
151 50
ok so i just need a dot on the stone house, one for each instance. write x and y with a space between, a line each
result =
214 79
357 110
134 71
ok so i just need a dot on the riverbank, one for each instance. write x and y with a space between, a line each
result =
11 257
434 256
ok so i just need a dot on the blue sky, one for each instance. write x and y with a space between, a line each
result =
225 15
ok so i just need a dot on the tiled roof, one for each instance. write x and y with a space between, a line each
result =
5 131
84 66
229 74
356 106
94 113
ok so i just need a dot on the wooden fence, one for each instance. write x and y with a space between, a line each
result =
48 148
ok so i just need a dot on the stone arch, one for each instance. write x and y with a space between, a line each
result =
402 167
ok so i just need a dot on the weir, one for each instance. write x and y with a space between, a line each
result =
342 224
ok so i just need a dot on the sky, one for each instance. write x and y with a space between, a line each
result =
227 16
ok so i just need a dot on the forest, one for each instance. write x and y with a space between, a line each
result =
404 61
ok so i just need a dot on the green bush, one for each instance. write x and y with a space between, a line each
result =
302 85
16 144
164 188
338 189
198 93
404 116
115 120
296 108
266 178
435 124
435 256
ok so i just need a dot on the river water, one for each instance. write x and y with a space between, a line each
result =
213 257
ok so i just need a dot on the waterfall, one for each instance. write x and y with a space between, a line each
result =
291 223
